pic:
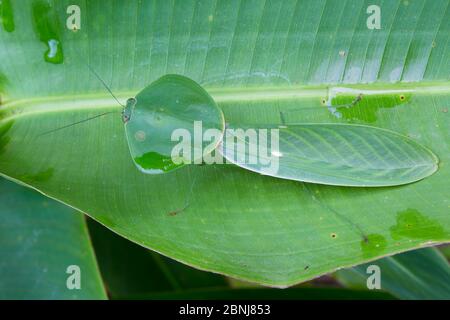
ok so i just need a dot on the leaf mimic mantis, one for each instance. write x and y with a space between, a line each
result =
324 153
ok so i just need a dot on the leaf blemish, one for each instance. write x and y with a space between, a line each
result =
177 211
47 29
140 136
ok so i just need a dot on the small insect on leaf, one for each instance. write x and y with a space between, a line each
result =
159 122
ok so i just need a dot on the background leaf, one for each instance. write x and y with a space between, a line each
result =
256 60
130 270
418 274
445 250
39 239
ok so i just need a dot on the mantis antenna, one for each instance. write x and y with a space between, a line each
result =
104 84
93 117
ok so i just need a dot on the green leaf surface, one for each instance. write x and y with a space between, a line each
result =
418 274
256 60
332 154
39 240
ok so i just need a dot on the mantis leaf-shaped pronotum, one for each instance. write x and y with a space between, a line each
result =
162 114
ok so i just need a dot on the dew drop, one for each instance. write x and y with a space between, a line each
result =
53 48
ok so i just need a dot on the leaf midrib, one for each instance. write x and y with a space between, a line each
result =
14 109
